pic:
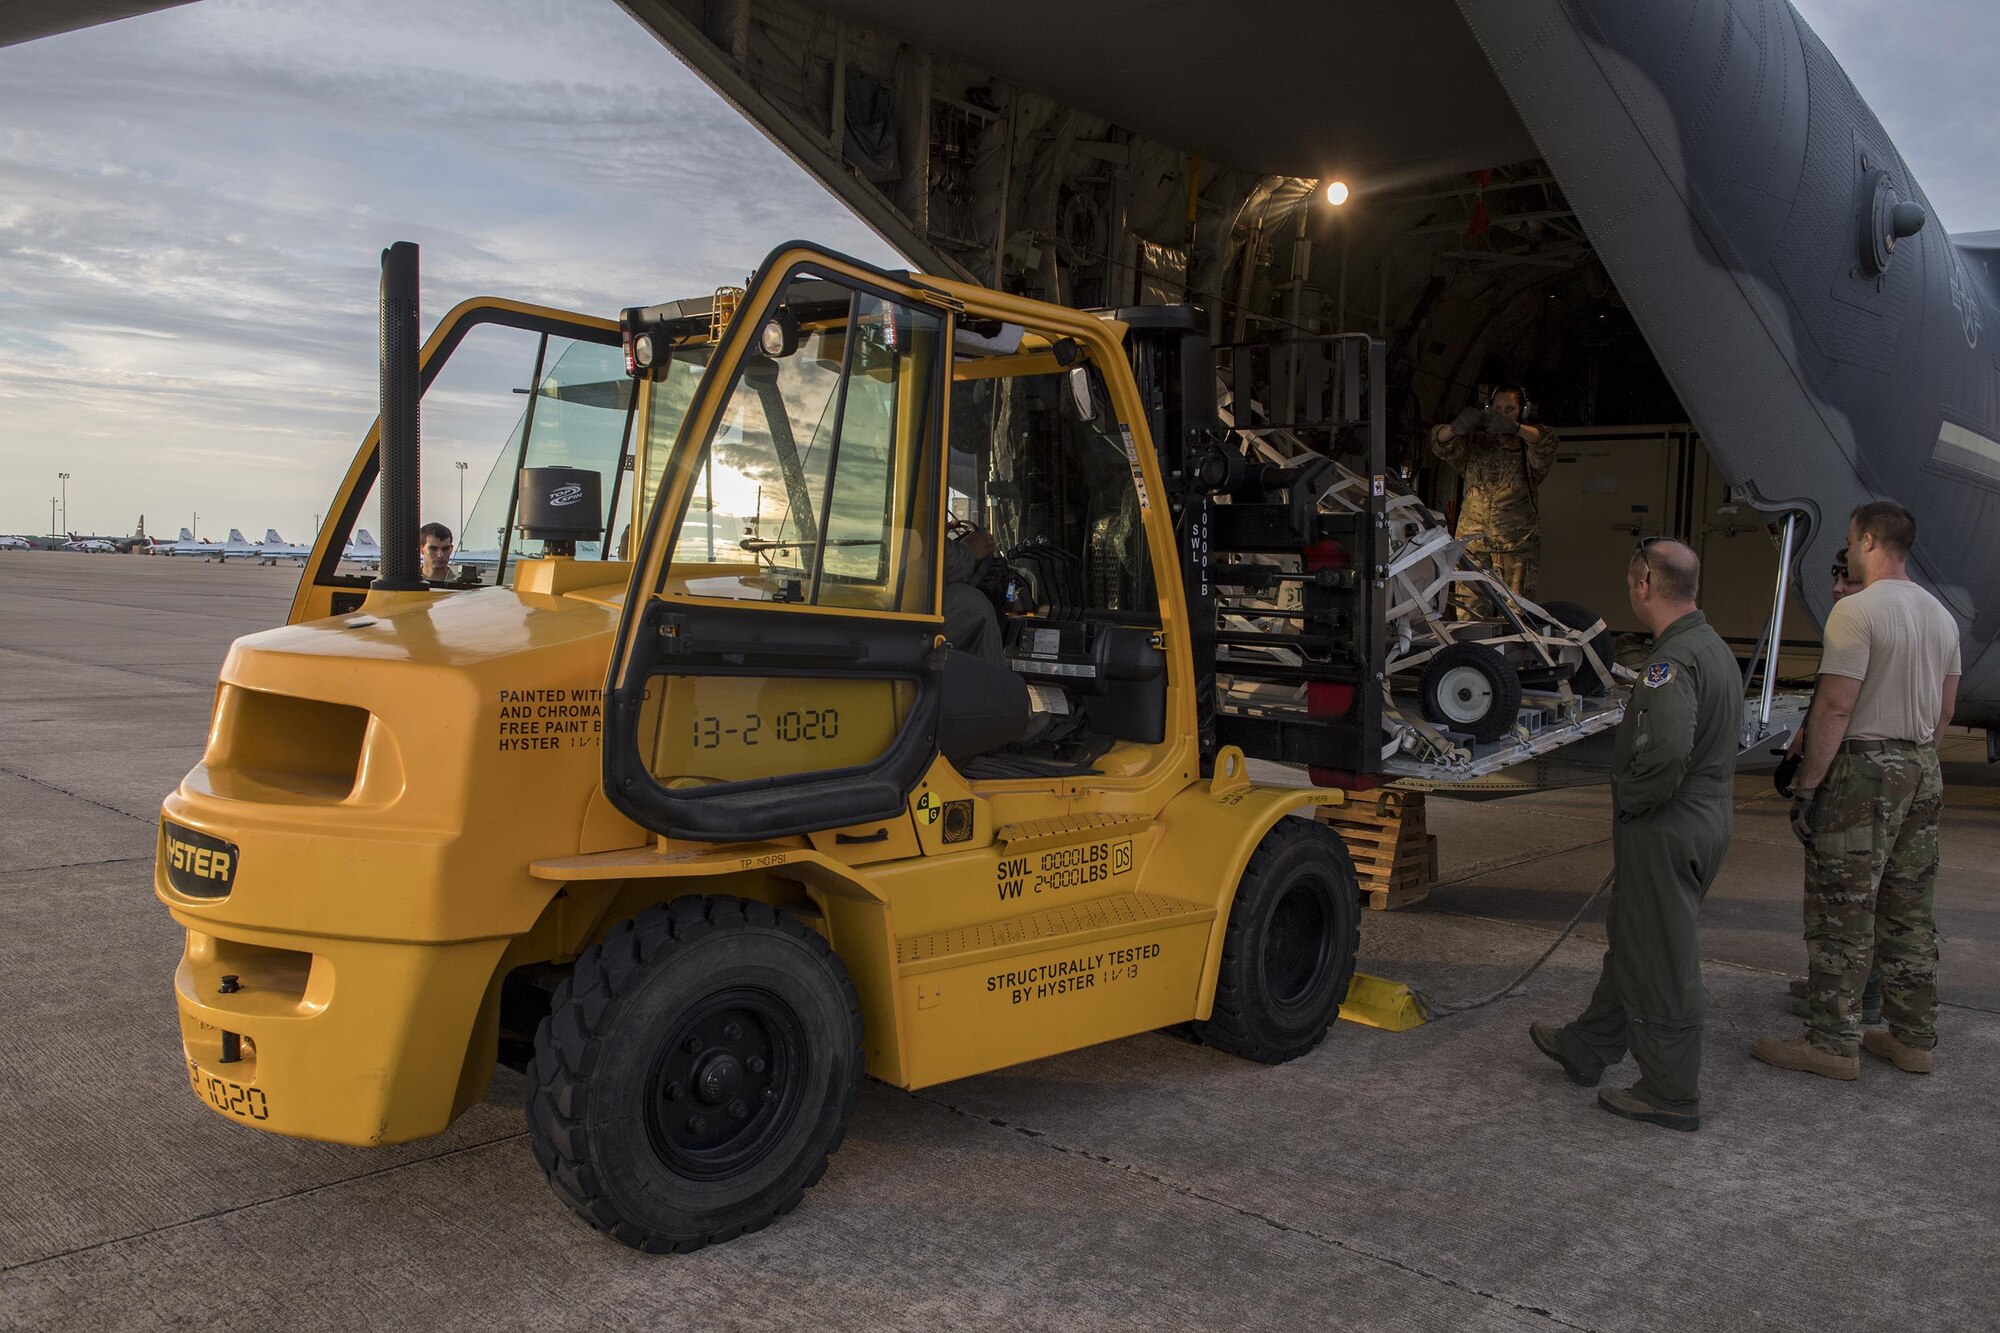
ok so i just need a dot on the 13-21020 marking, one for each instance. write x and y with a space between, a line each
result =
791 727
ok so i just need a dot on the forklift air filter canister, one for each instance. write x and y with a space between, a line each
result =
561 504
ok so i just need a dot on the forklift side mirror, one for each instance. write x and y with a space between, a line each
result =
1080 396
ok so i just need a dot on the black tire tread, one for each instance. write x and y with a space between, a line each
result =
1228 1026
566 1048
1577 616
1507 688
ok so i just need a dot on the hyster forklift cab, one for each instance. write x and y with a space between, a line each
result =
814 837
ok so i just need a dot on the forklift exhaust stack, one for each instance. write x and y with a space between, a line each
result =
401 341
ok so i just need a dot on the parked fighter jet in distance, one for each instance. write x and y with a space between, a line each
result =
90 545
363 551
16 544
276 548
187 545
237 547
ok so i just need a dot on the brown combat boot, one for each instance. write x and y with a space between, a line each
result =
1800 1054
1909 1059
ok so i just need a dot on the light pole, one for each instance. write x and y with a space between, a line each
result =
52 517
63 477
195 531
460 465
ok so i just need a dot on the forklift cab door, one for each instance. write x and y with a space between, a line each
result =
777 666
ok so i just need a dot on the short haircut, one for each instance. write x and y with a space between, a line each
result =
1675 569
1520 394
437 530
1888 523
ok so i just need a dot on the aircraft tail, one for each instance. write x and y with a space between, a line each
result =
271 537
186 535
236 537
363 539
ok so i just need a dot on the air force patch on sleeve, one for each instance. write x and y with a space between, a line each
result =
1659 673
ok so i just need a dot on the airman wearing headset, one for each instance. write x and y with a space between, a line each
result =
1503 460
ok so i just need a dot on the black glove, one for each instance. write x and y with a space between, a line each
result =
1787 769
1802 816
1466 422
1499 423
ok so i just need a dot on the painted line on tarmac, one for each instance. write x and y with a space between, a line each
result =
257 1203
1041 1139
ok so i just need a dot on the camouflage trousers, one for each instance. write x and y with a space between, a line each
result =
1871 873
1516 568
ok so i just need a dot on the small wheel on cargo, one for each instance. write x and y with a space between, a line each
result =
695 1072
1586 683
1288 953
1471 688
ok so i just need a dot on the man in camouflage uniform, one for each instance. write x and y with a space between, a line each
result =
1866 807
1672 768
1503 461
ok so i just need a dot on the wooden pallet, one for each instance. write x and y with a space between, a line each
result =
1395 860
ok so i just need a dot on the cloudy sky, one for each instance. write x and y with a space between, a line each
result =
192 204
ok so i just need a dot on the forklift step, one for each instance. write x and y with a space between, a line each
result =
1033 833
1071 924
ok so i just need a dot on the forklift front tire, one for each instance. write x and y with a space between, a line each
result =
1288 953
695 1072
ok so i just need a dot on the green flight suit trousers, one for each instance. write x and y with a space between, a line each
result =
1649 996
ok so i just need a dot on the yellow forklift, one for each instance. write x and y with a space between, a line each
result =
900 744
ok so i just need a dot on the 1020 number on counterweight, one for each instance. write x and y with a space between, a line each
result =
790 727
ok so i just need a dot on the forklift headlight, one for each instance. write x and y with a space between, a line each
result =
642 351
779 337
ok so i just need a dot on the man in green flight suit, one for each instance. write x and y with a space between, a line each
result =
1504 461
1672 766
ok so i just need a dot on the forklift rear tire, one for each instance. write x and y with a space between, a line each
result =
1288 954
695 1072
1586 684
1469 687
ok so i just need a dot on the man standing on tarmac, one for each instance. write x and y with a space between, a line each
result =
1504 461
1866 807
1673 762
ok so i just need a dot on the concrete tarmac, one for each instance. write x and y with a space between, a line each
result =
1443 1178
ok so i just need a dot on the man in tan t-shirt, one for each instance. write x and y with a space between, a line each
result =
1866 806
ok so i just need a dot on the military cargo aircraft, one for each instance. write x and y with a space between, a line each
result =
1677 222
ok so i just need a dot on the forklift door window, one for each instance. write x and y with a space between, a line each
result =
814 487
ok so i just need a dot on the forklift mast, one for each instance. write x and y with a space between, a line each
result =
1253 532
